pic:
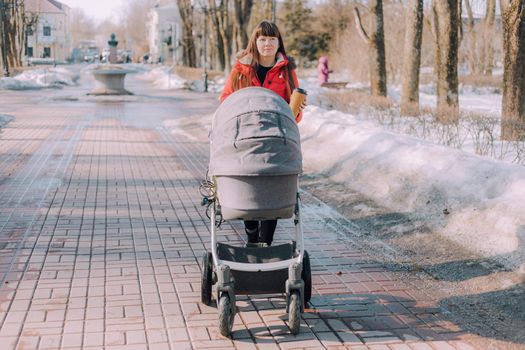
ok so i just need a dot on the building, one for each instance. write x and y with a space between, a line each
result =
48 32
164 33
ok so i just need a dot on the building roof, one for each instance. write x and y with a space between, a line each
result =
44 6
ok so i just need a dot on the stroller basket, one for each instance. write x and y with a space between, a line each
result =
260 282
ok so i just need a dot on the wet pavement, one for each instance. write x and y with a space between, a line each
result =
102 233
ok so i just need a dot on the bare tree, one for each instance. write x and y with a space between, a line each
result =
376 46
81 27
412 58
472 57
243 11
513 104
489 29
12 34
135 37
188 45
269 9
223 30
480 53
446 14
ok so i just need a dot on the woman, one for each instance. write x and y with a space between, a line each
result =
263 63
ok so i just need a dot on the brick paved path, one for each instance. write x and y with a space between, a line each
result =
101 235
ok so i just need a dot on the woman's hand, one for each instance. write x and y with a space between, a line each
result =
303 105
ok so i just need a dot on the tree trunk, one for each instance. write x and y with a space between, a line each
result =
243 12
377 50
268 9
223 28
12 30
376 47
489 29
513 103
445 13
188 44
473 63
412 58
220 50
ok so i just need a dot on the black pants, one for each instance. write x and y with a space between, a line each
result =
260 231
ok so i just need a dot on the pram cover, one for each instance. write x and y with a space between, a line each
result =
254 133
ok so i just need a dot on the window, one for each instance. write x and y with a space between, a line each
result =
47 31
29 30
47 52
29 52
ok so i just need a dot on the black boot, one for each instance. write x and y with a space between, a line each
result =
252 231
267 231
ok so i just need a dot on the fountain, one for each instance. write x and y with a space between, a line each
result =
110 78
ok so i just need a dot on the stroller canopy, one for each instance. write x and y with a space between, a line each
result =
254 133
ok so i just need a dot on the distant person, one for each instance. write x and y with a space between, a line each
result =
322 70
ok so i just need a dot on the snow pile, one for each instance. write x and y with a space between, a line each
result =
4 119
472 200
215 86
161 78
40 78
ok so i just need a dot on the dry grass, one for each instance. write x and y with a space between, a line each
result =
194 73
495 81
481 132
353 100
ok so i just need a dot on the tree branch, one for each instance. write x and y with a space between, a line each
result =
430 25
359 26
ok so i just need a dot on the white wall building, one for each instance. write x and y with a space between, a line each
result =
49 36
165 34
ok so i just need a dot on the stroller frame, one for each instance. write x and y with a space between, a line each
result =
221 273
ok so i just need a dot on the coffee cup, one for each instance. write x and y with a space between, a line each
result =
296 100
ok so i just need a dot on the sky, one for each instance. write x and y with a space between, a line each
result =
97 9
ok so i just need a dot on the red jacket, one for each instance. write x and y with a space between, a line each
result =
276 78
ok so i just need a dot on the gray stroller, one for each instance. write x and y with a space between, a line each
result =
255 160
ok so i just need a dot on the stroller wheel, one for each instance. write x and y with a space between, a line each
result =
306 276
225 315
206 278
294 312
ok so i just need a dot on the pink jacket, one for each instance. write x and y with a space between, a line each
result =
322 70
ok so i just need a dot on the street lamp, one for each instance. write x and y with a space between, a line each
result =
173 30
205 9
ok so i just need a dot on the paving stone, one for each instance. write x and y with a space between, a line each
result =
27 342
73 340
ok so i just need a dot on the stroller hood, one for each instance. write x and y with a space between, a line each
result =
254 133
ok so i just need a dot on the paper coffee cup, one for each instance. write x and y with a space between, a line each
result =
296 100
